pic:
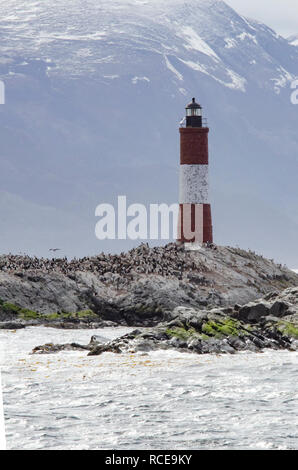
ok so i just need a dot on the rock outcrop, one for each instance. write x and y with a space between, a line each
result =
139 288
252 327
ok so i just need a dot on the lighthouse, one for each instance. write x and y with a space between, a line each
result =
195 223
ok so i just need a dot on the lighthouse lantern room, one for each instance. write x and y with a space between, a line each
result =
193 114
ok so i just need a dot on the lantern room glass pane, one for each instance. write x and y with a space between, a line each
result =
193 112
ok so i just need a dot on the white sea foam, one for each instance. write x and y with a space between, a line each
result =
161 400
2 426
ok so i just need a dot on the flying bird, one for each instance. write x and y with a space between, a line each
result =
54 249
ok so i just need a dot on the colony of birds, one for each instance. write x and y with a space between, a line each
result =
169 261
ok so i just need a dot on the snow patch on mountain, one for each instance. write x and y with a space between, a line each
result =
248 21
248 36
112 77
172 69
237 82
135 80
283 80
230 43
293 40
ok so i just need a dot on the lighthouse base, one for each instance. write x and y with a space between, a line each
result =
195 224
193 246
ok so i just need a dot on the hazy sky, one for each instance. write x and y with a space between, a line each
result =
281 15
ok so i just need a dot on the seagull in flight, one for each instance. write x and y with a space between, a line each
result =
54 249
182 121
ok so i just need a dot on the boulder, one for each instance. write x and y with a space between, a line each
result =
279 309
9 325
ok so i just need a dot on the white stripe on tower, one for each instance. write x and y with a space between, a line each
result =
193 187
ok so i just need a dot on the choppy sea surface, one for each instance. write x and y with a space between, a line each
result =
163 400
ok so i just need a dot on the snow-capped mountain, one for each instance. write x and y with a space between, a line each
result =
76 38
95 90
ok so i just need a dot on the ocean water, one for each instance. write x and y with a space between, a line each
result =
163 400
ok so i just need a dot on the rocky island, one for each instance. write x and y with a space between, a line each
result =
217 299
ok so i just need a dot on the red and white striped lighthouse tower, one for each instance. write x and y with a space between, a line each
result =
195 223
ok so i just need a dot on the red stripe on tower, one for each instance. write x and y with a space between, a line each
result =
195 222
